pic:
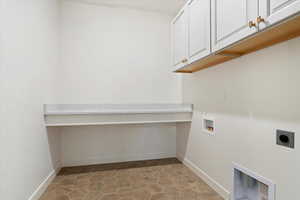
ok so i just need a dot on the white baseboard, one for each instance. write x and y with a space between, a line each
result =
179 156
117 158
43 186
206 178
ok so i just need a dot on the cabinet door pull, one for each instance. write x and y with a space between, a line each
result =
260 19
252 24
184 60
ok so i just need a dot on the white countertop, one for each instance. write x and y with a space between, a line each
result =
90 109
109 114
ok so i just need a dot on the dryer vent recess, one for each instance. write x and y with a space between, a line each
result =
285 138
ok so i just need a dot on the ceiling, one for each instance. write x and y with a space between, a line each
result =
164 6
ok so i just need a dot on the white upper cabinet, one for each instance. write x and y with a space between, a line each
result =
198 29
232 20
214 27
179 30
273 11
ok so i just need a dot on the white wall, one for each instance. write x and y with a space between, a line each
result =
116 55
107 144
250 98
2 153
29 37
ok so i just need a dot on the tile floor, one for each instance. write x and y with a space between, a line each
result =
163 180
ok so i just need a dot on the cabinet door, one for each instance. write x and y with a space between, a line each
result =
179 31
230 21
198 29
273 11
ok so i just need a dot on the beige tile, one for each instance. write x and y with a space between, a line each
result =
171 181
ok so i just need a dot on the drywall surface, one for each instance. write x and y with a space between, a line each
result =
249 98
29 43
117 143
167 6
2 153
116 55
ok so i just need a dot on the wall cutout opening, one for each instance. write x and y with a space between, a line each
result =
247 185
285 138
208 125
